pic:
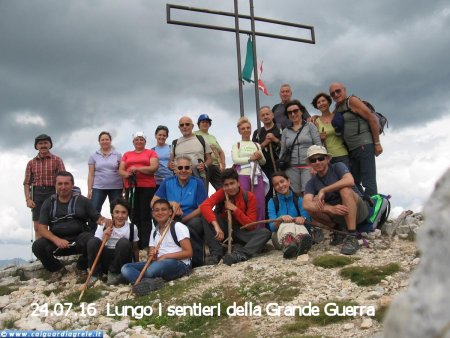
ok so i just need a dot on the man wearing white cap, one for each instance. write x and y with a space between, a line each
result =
331 197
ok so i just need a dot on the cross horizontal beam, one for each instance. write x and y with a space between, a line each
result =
311 40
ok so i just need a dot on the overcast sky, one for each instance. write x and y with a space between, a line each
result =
74 68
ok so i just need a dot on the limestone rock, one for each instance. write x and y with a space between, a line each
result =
119 326
422 311
366 323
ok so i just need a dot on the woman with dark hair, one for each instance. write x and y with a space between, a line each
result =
171 260
297 139
103 177
138 167
290 234
163 151
120 248
334 143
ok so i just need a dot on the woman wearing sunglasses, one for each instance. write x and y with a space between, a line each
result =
334 143
297 139
290 234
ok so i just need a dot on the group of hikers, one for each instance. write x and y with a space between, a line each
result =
290 179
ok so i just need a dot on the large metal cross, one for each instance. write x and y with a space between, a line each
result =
237 31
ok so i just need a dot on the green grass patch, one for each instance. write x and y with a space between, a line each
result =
7 324
55 291
278 289
89 296
6 290
302 323
364 276
332 261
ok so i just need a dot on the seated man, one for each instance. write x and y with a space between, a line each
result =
63 226
331 196
185 194
243 208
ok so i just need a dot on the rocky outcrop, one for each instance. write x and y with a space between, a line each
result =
422 311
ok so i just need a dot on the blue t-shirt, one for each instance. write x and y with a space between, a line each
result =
286 206
189 196
335 172
163 169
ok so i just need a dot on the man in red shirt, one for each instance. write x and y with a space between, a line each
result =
243 209
40 177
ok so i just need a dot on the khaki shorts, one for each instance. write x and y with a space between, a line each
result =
362 211
291 228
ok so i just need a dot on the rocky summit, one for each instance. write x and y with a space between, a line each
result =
267 296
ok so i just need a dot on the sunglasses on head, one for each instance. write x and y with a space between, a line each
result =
293 111
336 92
181 125
318 158
185 167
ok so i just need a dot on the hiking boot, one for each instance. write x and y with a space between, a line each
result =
234 257
92 281
114 278
336 239
304 243
317 235
148 285
290 251
57 275
212 260
350 246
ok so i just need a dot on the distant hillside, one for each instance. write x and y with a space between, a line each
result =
14 261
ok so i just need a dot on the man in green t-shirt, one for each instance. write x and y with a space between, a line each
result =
218 157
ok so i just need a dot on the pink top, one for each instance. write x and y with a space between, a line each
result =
142 159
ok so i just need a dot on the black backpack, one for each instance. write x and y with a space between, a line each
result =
200 139
276 203
172 232
338 119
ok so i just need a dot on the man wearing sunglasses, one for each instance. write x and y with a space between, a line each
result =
185 193
332 199
361 137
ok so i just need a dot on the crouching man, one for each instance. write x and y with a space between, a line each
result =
331 197
243 209
63 227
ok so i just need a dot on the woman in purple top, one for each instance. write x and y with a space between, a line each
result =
103 177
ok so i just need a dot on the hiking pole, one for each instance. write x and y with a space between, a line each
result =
91 271
230 226
272 158
252 177
260 222
150 258
32 222
131 193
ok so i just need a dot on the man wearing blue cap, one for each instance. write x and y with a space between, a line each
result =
218 157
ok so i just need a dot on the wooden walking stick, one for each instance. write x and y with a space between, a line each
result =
230 227
272 158
91 271
321 226
150 258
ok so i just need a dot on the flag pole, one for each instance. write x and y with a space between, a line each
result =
238 50
255 63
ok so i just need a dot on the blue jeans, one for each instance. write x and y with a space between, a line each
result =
362 167
169 269
99 196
